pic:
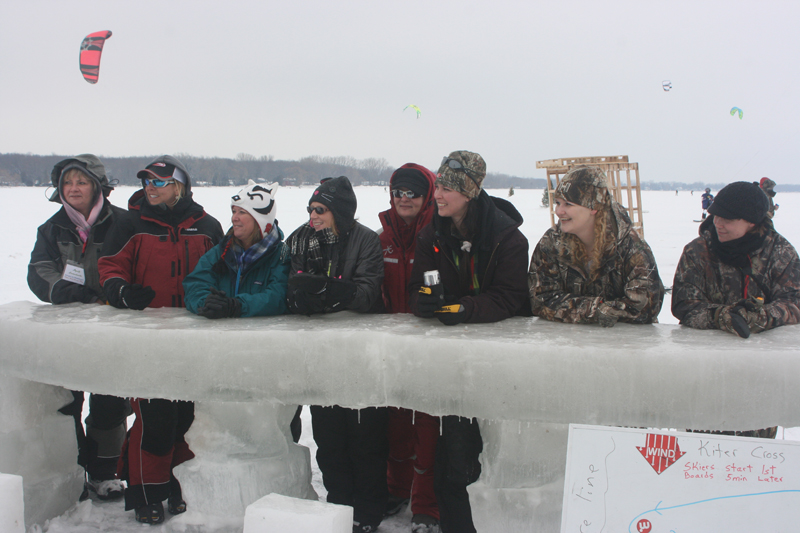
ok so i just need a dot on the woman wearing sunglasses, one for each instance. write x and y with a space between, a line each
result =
337 264
145 259
592 267
412 436
475 243
246 274
63 269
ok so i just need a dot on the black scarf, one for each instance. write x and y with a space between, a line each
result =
736 253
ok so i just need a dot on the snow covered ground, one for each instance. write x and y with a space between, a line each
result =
668 223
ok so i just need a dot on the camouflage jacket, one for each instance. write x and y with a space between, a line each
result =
561 291
703 283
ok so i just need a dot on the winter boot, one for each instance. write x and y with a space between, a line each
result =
175 503
364 528
150 514
394 505
106 489
422 523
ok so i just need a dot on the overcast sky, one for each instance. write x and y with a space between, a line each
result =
516 81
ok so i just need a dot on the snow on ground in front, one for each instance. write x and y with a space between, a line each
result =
669 224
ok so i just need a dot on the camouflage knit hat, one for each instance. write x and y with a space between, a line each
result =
462 171
584 186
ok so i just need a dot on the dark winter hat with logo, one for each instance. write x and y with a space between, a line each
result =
90 165
337 195
741 199
462 171
584 186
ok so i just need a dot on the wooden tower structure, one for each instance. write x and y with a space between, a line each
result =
622 176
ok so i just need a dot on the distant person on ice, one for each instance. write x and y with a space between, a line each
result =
63 269
412 434
768 186
475 243
707 200
739 275
146 257
593 267
337 264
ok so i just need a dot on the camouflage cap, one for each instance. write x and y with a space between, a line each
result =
468 179
584 186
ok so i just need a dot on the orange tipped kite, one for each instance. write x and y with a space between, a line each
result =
91 50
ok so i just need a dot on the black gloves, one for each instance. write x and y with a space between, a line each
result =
132 296
313 293
219 305
451 314
74 293
430 299
339 294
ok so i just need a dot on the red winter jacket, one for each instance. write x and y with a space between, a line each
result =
157 248
399 241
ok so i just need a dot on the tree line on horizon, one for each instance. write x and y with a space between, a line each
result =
34 170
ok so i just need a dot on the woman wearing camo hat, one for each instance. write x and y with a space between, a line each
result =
593 267
475 243
246 274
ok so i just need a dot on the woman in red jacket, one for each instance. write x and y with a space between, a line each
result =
412 436
147 255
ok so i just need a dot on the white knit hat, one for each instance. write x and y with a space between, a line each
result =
259 201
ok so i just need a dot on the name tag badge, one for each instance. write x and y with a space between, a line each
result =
74 273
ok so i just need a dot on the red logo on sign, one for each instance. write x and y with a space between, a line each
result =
644 526
661 451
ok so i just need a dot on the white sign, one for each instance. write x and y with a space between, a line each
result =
650 481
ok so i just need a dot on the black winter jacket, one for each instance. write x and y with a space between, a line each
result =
499 255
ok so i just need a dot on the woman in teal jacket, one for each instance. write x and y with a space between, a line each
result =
247 273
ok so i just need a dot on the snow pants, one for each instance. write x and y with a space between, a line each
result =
99 446
155 445
457 465
412 451
352 450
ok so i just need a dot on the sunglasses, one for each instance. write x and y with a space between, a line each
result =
318 210
157 183
458 167
397 193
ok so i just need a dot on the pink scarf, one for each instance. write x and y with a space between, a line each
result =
82 224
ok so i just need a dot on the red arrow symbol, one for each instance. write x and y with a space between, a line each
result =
661 451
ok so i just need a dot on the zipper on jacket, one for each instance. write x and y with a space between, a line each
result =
186 247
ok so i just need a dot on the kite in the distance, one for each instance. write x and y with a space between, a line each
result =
666 85
734 110
91 50
415 108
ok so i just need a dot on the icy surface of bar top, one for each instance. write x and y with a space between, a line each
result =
523 369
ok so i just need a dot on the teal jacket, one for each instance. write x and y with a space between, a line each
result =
262 288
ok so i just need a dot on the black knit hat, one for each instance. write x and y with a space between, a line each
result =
412 179
741 199
337 195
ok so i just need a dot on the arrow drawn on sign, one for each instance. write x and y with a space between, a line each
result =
658 509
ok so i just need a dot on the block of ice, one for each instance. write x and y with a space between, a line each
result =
276 514
12 508
38 444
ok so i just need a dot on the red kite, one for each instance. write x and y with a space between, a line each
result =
91 49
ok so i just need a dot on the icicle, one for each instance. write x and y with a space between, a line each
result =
413 416
359 417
